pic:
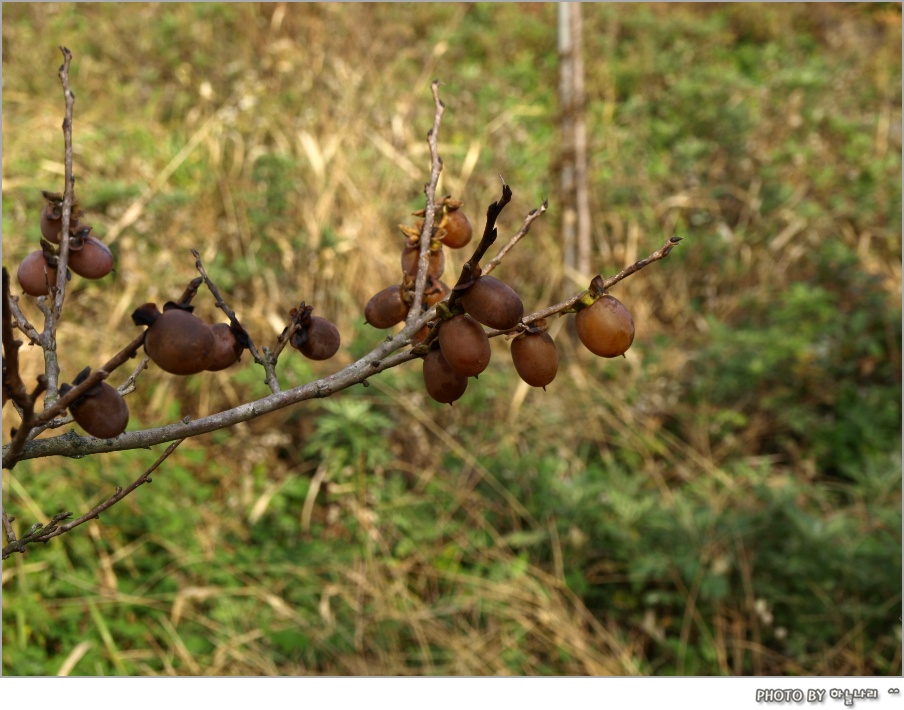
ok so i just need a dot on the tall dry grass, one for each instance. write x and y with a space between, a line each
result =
286 143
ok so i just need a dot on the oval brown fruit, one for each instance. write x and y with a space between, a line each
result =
101 411
319 341
606 328
31 274
465 345
458 230
493 303
178 341
226 348
535 358
386 308
443 384
92 260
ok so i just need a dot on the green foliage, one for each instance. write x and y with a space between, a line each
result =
727 500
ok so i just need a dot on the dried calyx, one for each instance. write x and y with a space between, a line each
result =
315 337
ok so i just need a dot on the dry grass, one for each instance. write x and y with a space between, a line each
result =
286 143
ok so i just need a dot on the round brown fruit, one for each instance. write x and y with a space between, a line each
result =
32 276
319 341
606 328
176 340
458 230
226 349
92 260
386 308
465 345
493 303
101 411
535 358
443 384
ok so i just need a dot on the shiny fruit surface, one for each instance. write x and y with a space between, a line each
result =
464 345
179 342
443 384
319 341
493 303
32 276
93 260
535 358
458 230
606 328
386 308
101 411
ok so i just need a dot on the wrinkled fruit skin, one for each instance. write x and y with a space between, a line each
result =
606 328
386 308
179 342
493 303
464 345
319 341
436 261
31 274
226 349
443 384
93 260
458 230
102 412
52 223
535 358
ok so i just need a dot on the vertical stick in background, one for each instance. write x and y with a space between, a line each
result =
573 161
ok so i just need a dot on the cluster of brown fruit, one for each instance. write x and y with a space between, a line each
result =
182 344
462 348
605 327
89 257
390 306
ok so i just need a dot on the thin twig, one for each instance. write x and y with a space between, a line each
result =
43 534
598 284
268 363
54 312
525 228
7 525
436 167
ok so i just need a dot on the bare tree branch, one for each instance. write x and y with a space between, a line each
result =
43 534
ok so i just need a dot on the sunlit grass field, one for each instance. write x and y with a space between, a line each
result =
726 500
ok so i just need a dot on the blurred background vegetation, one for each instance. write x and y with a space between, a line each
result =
726 500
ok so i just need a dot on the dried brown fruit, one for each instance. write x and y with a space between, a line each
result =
32 277
227 348
101 411
318 341
458 230
606 328
535 358
493 303
443 384
89 257
176 340
465 345
386 308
